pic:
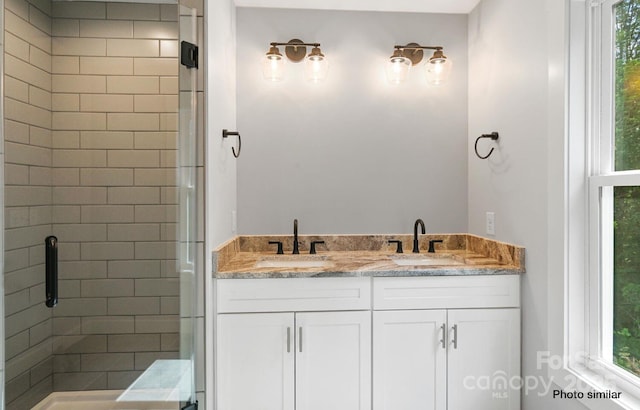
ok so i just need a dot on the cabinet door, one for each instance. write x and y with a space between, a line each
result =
333 361
484 357
409 360
255 363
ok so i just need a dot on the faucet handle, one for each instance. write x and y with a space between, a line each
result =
279 252
312 250
398 243
431 243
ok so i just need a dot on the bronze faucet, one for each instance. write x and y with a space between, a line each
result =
416 246
296 251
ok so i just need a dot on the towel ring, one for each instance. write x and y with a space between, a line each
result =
494 136
226 133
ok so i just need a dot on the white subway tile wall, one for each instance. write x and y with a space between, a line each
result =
91 102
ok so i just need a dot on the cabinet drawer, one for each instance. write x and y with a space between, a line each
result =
445 292
300 294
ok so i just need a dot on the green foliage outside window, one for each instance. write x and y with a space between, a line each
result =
626 317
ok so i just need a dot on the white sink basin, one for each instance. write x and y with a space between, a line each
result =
292 263
425 261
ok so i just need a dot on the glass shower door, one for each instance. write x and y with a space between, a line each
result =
174 379
188 236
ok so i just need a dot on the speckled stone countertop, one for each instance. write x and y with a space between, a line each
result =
253 257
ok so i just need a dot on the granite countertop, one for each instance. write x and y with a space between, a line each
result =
366 255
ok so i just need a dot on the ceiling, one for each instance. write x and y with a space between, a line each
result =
413 6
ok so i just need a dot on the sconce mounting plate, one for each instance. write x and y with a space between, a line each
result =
295 53
413 54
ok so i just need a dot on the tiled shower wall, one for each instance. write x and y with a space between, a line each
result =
114 121
28 195
90 133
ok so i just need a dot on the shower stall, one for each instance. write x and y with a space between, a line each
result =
100 155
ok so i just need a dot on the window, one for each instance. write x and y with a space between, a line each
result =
614 190
595 208
626 200
626 279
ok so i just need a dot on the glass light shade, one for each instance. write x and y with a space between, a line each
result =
316 66
438 70
398 67
273 66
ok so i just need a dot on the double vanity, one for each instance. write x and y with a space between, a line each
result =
358 326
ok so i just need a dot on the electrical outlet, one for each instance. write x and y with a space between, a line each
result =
491 223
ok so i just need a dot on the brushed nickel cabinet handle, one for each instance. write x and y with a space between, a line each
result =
300 338
454 341
288 339
444 335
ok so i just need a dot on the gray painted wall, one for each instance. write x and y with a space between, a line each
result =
220 165
353 154
520 96
221 113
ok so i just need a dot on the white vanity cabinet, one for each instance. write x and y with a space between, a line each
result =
333 361
484 364
410 366
446 343
382 343
255 361
297 349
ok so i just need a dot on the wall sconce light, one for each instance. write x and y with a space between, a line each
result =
437 68
316 64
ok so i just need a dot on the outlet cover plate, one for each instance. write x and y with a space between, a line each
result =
491 223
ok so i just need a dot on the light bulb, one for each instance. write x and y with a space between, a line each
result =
316 66
273 66
398 67
438 68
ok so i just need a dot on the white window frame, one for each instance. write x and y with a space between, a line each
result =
587 285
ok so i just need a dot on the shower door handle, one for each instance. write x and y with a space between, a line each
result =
51 270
